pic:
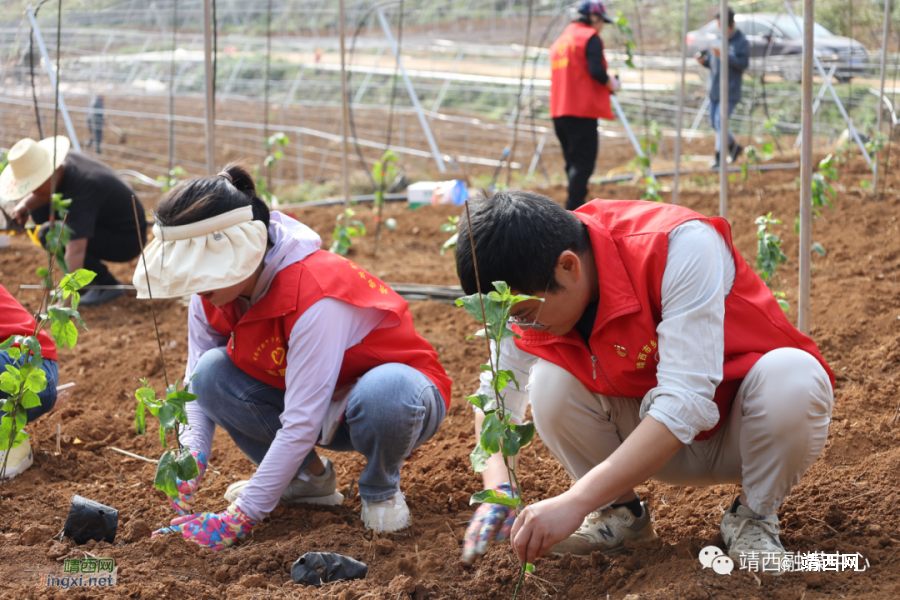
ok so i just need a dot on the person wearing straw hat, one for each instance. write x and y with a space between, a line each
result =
289 347
580 89
101 216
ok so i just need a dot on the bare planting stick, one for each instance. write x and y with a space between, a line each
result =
132 455
137 225
58 433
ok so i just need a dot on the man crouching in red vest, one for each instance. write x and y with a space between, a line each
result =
656 353
289 347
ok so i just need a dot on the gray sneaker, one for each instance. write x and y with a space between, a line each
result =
748 538
606 531
304 489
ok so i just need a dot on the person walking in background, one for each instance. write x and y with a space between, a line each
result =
95 119
579 95
738 61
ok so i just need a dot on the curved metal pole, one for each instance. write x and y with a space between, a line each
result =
806 165
684 30
884 40
723 108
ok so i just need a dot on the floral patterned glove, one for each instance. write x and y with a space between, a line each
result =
184 504
215 531
490 523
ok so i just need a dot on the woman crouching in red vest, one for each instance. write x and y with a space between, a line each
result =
656 353
289 347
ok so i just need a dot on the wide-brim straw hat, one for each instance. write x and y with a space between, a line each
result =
30 165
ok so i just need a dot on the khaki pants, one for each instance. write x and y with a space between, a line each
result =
777 428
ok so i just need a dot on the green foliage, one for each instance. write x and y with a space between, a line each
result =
174 463
384 172
58 234
345 229
452 225
172 178
274 143
626 35
754 157
23 380
498 434
650 146
769 255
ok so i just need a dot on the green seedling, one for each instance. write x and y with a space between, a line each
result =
175 462
345 229
768 256
274 143
171 179
754 157
59 234
384 172
498 434
23 380
823 193
624 32
451 226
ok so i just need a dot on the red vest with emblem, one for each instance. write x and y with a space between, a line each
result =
259 339
573 92
15 320
630 242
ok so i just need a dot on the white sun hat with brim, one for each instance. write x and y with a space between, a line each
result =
208 255
30 165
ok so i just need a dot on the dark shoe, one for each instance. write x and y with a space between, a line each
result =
97 297
735 150
715 164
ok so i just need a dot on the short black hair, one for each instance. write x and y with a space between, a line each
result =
730 16
518 236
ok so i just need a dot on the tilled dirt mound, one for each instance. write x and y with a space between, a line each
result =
847 502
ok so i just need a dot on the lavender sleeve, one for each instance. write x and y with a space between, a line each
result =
315 354
201 337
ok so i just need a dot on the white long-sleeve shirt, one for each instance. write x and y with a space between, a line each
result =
316 347
698 277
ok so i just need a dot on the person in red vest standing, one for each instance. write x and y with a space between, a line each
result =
289 347
15 320
579 94
655 352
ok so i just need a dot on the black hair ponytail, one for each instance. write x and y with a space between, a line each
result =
206 197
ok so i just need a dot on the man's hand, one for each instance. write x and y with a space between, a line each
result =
614 84
490 523
20 212
215 531
700 60
184 504
717 51
544 524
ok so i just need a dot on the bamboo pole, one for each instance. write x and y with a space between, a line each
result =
345 115
806 166
723 110
684 29
884 41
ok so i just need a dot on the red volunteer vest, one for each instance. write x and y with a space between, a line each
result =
573 92
630 242
15 320
259 339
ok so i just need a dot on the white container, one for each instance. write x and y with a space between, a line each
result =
4 240
421 193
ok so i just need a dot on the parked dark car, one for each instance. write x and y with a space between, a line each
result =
776 37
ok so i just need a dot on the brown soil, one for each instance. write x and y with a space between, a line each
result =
847 501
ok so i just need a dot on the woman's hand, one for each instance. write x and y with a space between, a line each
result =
490 523
184 504
212 530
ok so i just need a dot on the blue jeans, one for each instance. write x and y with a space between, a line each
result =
393 409
48 396
715 119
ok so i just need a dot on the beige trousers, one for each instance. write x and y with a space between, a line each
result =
777 428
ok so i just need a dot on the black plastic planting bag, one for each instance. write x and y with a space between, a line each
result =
89 520
316 568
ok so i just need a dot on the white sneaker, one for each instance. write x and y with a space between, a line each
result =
306 488
753 538
606 531
20 458
386 516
